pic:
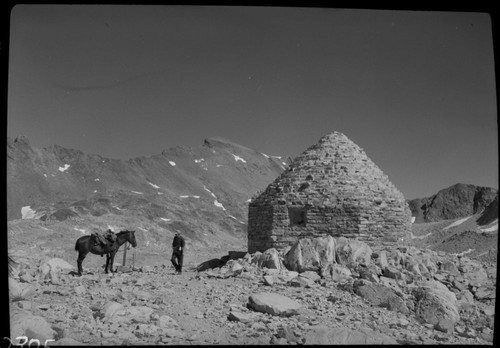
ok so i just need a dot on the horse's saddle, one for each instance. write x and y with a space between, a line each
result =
104 239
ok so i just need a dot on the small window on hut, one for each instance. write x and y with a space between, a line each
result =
297 216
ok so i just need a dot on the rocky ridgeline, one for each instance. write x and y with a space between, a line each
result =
318 291
459 200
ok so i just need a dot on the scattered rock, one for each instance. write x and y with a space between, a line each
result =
242 317
268 280
270 259
66 341
80 289
273 304
313 276
336 272
165 321
133 314
343 336
301 281
110 309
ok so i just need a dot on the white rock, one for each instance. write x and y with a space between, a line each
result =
310 254
20 291
31 326
51 268
111 308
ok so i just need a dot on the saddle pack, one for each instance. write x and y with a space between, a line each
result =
104 239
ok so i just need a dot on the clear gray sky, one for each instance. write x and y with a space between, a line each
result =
414 89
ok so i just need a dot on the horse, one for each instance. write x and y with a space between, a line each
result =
85 244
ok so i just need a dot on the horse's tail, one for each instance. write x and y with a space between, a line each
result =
76 245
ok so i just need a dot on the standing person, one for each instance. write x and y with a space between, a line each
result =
178 252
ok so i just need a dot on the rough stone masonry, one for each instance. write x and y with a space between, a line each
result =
332 188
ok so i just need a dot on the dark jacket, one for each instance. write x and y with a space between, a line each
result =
178 242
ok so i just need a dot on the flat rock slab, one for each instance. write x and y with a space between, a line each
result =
344 336
273 304
243 317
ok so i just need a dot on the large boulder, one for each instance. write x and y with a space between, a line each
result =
268 259
273 304
20 291
336 272
30 326
310 254
110 309
473 271
323 335
380 295
350 251
436 304
51 269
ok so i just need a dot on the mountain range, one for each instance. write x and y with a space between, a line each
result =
200 191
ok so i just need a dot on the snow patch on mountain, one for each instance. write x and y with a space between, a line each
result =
463 252
206 189
218 204
65 168
238 158
136 192
493 227
457 223
82 230
172 163
27 212
155 186
241 222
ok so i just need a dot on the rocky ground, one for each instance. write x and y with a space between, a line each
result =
150 305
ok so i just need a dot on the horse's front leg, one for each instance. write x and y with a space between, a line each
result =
112 262
107 263
81 257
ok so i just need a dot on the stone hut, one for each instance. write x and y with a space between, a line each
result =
333 188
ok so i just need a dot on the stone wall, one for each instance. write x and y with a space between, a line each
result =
341 192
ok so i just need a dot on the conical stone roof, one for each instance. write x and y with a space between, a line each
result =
331 188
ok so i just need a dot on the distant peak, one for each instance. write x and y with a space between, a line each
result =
221 142
21 139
